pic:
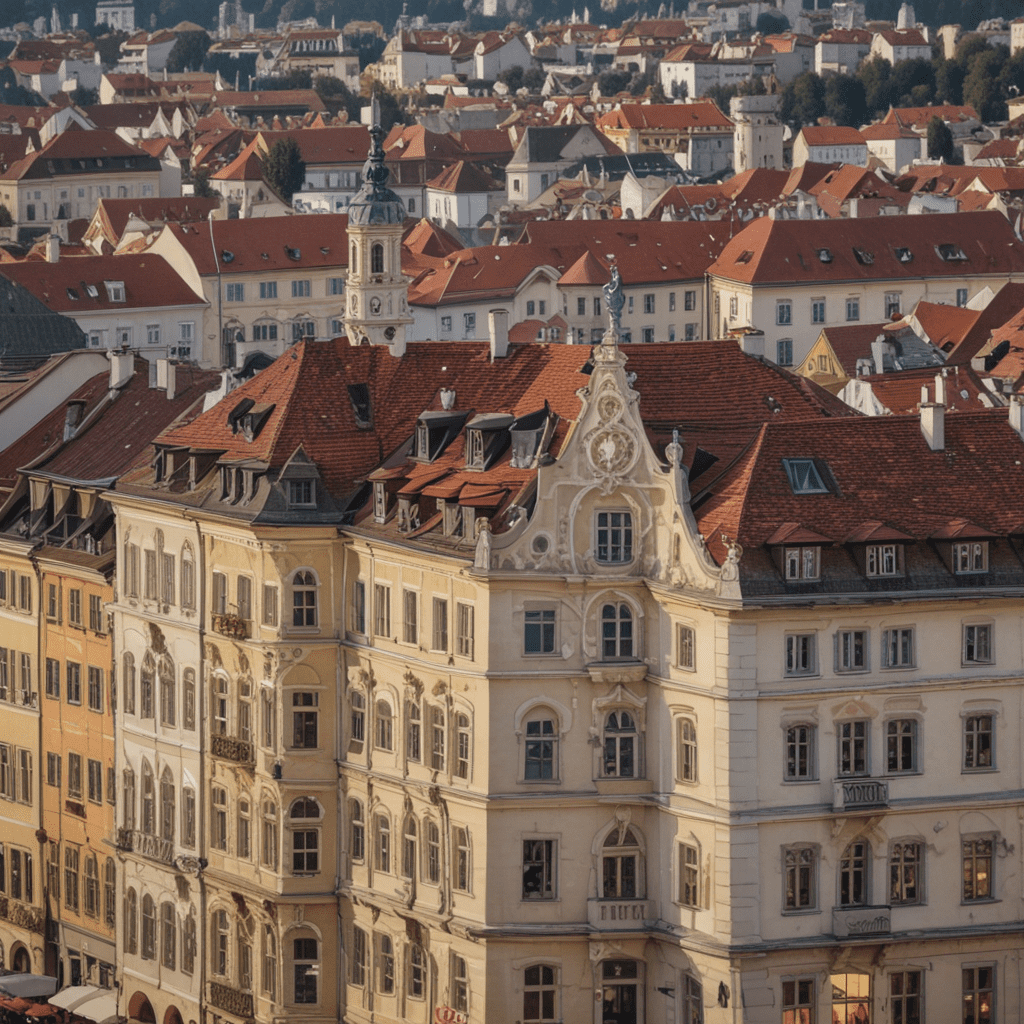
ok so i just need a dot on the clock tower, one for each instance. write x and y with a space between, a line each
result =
376 305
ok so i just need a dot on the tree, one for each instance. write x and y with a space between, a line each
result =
875 75
803 99
613 82
83 97
201 188
845 101
391 112
981 86
336 94
940 140
5 217
512 77
770 22
949 82
534 79
284 167
913 82
188 52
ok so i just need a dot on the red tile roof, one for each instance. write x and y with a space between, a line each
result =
666 116
587 270
72 147
461 178
920 117
326 146
834 135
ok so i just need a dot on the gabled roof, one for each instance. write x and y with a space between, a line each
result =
75 151
461 178
247 166
113 214
920 117
900 393
904 37
427 239
587 270
269 99
702 114
835 135
326 146
851 342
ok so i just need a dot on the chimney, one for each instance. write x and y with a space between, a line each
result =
753 344
497 324
52 248
940 387
1017 414
165 376
122 366
933 425
878 353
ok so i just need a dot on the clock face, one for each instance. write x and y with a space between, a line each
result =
375 306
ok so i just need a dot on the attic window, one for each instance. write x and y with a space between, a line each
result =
115 290
746 256
487 437
301 493
226 255
864 258
951 253
73 295
804 477
825 255
359 396
293 254
903 254
91 290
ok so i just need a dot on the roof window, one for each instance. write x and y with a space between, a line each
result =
226 255
746 256
903 254
91 290
825 255
864 258
293 254
359 396
435 431
115 290
951 253
487 437
73 295
804 477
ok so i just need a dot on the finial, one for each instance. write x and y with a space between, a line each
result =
614 300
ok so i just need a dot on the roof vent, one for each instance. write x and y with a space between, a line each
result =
227 255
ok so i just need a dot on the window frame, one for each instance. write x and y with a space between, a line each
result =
687 751
792 759
800 655
543 623
846 641
907 748
974 857
970 653
686 647
897 653
853 875
613 539
899 865
792 867
971 746
852 740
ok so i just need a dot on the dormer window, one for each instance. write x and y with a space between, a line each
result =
115 290
883 560
864 258
453 524
475 449
380 501
825 255
804 476
903 254
422 442
802 563
487 437
435 431
301 493
970 557
951 253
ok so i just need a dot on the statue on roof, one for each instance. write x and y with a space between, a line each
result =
614 300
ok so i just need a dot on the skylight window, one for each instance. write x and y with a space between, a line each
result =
91 290
903 254
951 253
825 255
227 255
73 295
746 256
804 477
293 254
864 258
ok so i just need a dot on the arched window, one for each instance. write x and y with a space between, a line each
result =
168 935
188 698
131 921
109 892
306 965
616 631
221 938
128 683
188 577
167 696
433 852
243 837
621 866
92 886
540 995
409 848
188 945
148 682
148 800
355 259
167 809
358 839
304 587
148 928
128 798
305 840
687 754
383 843
269 845
620 745
462 746
377 258
385 726
540 748
853 874
269 971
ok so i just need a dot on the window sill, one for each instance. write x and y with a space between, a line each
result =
802 782
982 902
979 771
540 782
802 912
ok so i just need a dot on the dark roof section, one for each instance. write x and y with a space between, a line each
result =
29 328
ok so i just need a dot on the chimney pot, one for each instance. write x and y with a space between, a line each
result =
122 366
933 425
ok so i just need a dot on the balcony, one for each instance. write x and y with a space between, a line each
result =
231 625
617 915
240 1004
20 915
859 794
230 749
153 847
854 922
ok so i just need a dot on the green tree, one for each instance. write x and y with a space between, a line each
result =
803 99
534 79
949 81
188 52
5 217
108 45
981 86
337 95
770 22
284 167
845 100
613 82
201 184
875 75
84 97
913 82
391 112
940 140
512 77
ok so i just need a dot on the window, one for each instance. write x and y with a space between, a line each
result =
898 648
358 958
901 745
385 738
268 289
305 841
686 648
268 846
614 537
168 935
853 875
410 607
358 832
188 698
882 560
541 749
304 600
417 964
978 743
219 696
461 877
804 477
109 893
269 605
686 731
783 313
801 869
243 835
52 678
469 321
95 778
433 852
358 607
689 875
335 286
220 593
460 984
464 630
414 731
979 995
970 557
53 772
385 965
649 302
234 292
800 753
219 952
784 351
409 859
462 746
621 744
539 631
531 308
304 720
446 324
852 650
115 290
616 631
95 614
383 844
358 721
219 818
817 311
961 297
149 928
905 872
853 309
243 592
892 305
621 877
853 747
801 654
539 864
71 877
300 289
377 258
977 868
188 818
75 607
540 995
978 644
131 922
438 737
167 810
439 637
74 775
802 563
382 609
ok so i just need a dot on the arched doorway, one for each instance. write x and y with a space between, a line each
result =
21 960
141 1009
172 1016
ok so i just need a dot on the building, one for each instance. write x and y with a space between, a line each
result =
896 45
545 152
829 145
841 50
758 133
689 71
894 146
118 14
789 279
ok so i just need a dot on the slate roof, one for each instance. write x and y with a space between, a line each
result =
545 144
28 327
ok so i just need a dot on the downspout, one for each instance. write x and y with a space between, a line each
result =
220 312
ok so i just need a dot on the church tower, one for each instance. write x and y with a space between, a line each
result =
376 308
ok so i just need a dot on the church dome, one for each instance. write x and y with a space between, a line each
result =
375 204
